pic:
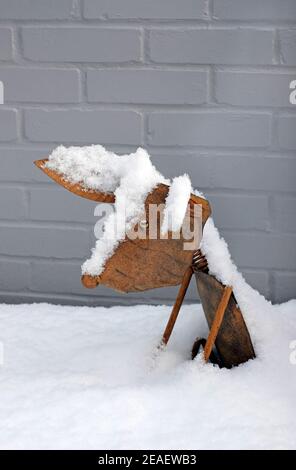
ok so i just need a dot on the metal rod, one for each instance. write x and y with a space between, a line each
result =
217 322
177 305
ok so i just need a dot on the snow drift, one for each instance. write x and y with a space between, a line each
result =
86 378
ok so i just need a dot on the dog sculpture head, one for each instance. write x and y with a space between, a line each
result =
146 262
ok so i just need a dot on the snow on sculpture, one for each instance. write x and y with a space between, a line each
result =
131 259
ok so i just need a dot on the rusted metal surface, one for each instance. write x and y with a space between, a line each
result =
199 262
228 331
76 188
147 263
141 264
219 315
233 341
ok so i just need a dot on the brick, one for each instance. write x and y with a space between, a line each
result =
232 211
17 165
12 203
287 135
83 126
272 173
209 129
147 86
198 166
56 204
58 277
63 278
15 275
284 216
46 85
264 251
35 9
80 44
145 9
266 10
6 50
253 88
8 126
288 46
56 242
285 286
212 46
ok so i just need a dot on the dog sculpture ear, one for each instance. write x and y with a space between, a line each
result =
75 188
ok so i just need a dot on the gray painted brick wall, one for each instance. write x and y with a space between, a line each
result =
6 51
202 84
36 85
287 39
81 44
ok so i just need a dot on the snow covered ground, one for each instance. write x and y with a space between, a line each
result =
89 378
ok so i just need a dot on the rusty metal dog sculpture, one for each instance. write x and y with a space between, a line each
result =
142 264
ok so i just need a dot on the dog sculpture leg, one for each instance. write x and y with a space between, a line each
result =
228 331
177 305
